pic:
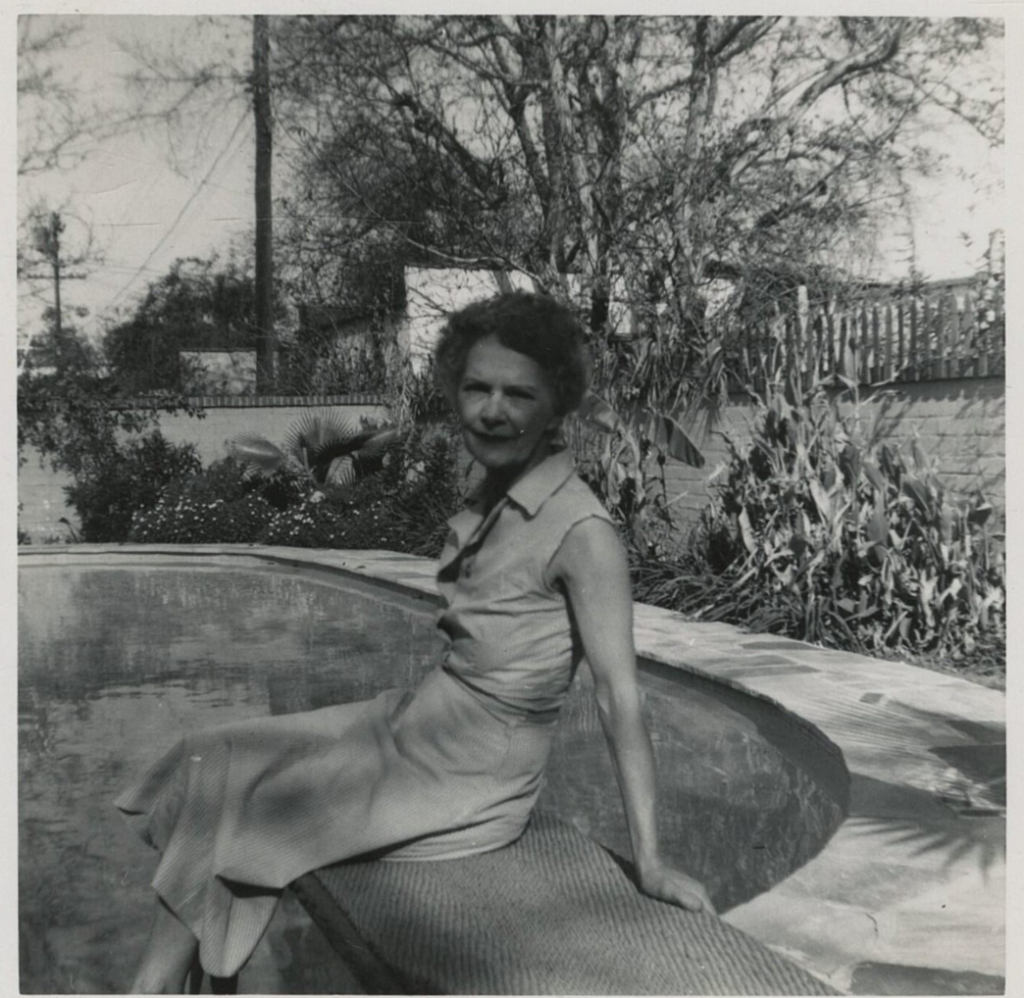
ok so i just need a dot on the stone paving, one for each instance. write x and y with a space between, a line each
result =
915 877
908 897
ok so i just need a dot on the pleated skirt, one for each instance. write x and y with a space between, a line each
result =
241 810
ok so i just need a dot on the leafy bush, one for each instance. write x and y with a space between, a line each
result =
810 535
281 488
413 518
401 508
220 505
76 418
230 480
125 479
225 480
621 453
420 514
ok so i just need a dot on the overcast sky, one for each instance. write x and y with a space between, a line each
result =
144 211
144 203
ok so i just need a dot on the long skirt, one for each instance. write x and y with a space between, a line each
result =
240 811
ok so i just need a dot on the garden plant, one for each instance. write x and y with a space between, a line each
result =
813 533
321 446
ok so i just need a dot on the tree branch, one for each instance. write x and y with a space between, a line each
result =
516 94
428 124
762 25
855 64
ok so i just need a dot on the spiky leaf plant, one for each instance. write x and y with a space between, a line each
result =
321 446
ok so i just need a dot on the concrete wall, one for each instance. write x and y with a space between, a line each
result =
40 490
962 423
220 426
41 500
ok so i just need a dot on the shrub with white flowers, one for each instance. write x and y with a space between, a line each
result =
189 520
390 509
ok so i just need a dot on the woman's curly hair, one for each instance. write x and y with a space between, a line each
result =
531 324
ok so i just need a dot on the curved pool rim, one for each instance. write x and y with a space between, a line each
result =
822 916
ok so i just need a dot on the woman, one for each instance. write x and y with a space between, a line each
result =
533 577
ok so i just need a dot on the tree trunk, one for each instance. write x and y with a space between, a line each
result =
266 370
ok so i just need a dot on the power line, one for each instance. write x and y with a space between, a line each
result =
181 214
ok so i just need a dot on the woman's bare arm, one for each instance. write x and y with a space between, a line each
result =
592 566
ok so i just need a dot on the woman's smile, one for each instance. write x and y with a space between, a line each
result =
494 436
507 409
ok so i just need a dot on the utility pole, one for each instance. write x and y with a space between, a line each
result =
46 235
266 362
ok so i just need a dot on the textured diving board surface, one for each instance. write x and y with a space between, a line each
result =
551 914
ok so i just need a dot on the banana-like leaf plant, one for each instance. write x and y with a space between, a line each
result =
323 446
658 428
631 438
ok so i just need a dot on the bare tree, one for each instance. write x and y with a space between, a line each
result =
182 83
630 157
635 165
51 123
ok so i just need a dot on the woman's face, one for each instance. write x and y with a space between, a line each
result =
507 409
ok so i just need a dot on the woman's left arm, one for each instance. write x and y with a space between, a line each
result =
592 566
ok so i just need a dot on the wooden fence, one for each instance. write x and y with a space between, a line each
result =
934 335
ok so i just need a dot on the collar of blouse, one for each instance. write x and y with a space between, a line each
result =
529 493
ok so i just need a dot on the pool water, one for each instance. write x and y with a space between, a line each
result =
116 663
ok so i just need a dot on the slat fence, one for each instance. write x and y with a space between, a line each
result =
934 335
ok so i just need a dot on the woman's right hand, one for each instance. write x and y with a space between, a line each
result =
666 883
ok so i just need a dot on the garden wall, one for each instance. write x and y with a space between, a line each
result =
40 490
960 422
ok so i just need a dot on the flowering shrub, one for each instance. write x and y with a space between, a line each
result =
365 516
218 505
310 523
189 520
403 507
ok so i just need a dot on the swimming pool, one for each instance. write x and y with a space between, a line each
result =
117 661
